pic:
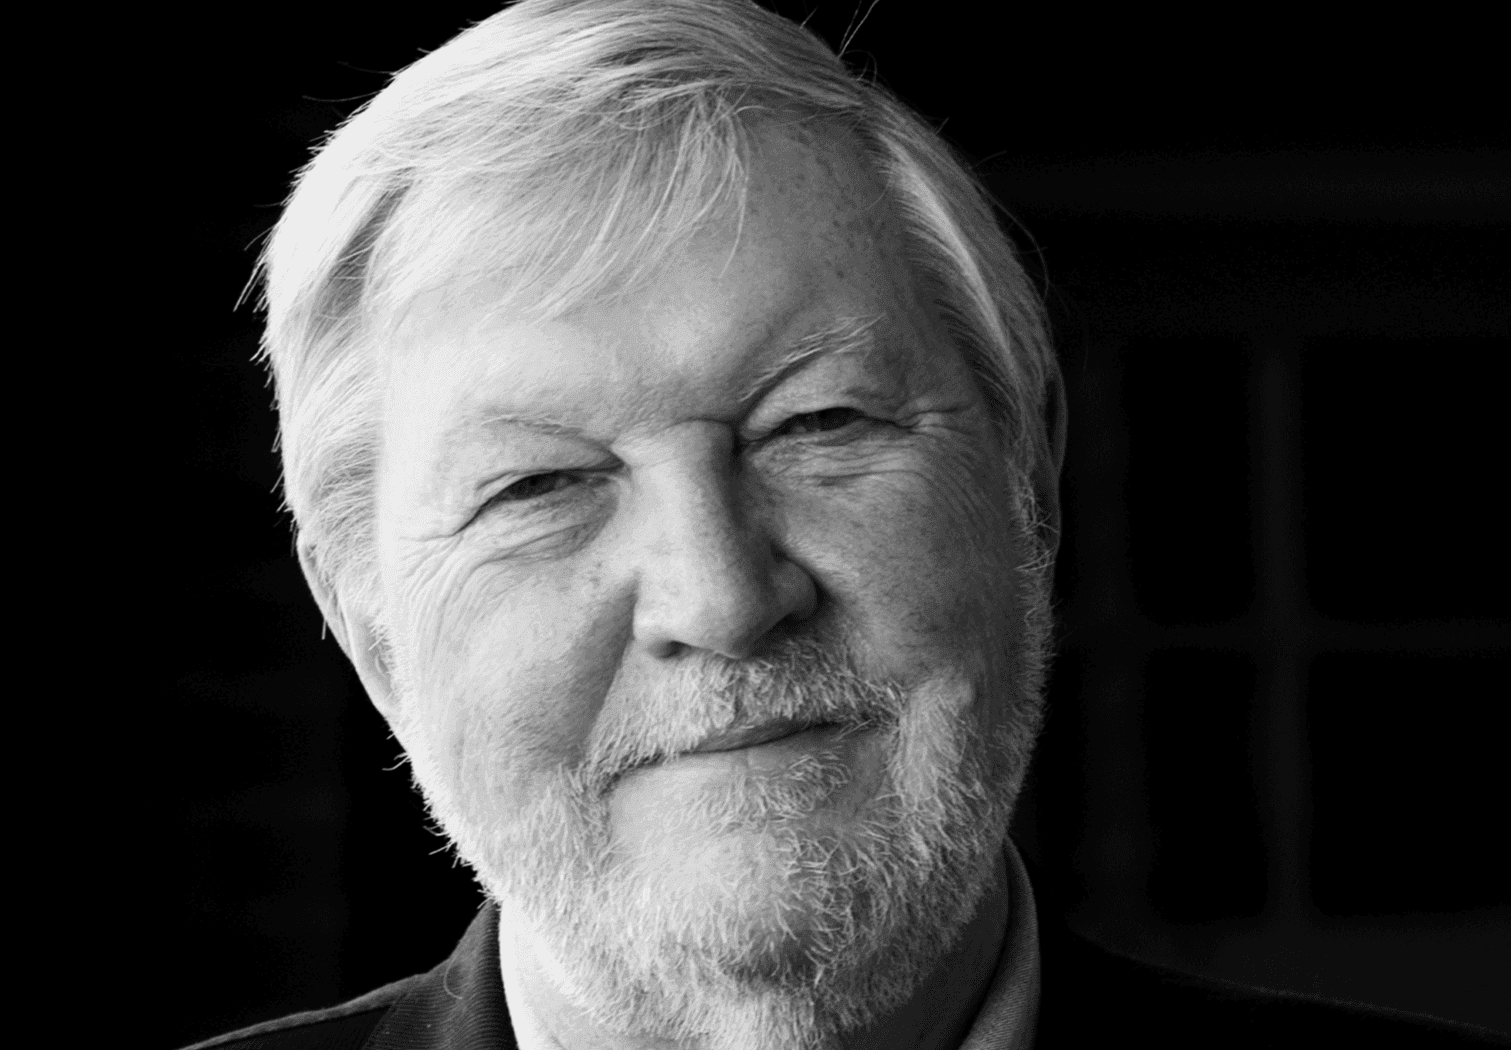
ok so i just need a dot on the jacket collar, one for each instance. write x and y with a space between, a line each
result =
459 1005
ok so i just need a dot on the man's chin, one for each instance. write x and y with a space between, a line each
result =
767 889
751 866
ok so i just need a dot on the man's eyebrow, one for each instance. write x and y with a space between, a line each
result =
848 335
474 425
487 416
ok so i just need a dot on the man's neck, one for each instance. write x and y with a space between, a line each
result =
937 1016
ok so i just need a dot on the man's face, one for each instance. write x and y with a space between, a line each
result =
705 603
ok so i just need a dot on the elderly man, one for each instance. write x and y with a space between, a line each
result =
673 440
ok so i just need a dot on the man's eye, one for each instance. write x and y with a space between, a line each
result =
821 421
533 487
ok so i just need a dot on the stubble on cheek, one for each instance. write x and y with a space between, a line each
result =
965 620
496 736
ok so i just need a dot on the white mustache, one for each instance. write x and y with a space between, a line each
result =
802 681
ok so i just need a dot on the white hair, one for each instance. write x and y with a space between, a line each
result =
561 148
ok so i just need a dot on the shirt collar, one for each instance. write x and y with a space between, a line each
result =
1010 1015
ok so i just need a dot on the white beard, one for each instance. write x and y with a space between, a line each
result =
718 965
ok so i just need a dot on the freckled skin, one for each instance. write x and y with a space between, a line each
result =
678 518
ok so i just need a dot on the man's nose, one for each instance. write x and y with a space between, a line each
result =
711 574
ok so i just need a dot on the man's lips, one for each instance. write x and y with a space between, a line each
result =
751 736
767 744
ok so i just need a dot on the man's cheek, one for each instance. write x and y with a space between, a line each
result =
916 565
441 601
538 687
927 522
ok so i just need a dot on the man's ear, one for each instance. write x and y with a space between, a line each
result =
357 633
1046 480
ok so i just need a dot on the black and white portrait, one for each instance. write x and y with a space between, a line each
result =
833 526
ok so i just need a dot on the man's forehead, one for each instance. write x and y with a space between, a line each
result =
813 177
808 269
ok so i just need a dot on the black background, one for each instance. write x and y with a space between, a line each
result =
1276 256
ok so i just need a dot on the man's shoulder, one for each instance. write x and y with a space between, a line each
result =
344 1027
458 1002
1092 993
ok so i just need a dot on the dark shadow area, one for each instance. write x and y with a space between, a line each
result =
1402 768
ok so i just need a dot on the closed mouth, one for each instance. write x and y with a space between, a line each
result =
754 736
740 738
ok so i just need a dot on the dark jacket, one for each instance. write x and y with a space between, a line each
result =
1090 998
